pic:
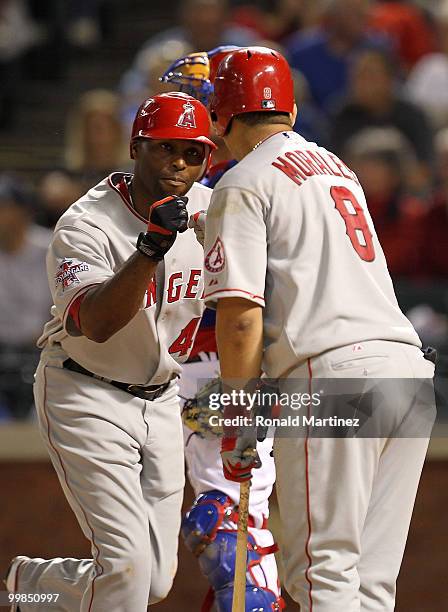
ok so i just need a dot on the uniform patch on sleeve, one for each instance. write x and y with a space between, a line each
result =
215 259
67 272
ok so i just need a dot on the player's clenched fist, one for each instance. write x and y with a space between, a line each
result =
166 218
168 215
197 223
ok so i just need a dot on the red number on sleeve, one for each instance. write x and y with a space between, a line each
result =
355 222
184 341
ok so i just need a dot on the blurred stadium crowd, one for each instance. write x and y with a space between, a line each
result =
371 84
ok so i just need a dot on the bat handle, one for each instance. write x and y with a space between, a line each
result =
239 582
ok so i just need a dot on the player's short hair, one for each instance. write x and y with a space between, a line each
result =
264 118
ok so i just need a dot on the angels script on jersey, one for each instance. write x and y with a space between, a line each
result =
300 165
180 286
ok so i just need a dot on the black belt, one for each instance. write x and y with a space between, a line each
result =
150 393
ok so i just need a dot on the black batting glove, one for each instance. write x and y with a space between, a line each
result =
166 218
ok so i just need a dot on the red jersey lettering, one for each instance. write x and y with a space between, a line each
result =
173 291
151 293
291 171
193 282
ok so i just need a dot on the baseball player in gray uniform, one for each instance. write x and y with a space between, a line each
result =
302 290
126 280
209 527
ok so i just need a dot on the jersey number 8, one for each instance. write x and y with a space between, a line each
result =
355 222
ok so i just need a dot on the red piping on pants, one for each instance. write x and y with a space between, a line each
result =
308 501
69 488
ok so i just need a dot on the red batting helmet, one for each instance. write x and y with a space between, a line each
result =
248 80
216 56
171 116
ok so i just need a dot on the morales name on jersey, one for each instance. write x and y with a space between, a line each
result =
300 165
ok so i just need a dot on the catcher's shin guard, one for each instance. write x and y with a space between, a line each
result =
201 523
215 548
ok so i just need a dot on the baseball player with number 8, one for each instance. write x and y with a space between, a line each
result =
210 526
294 267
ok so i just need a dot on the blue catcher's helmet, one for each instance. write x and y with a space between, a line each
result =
194 73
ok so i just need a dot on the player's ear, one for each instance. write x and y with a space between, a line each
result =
214 119
294 113
134 149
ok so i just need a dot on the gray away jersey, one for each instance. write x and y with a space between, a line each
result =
288 228
92 240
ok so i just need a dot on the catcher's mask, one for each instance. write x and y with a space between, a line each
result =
194 73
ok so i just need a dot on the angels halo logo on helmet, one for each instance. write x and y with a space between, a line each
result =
187 118
250 80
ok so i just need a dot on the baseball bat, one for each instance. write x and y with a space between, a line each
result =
239 579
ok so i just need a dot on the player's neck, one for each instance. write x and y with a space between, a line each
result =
243 139
140 197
